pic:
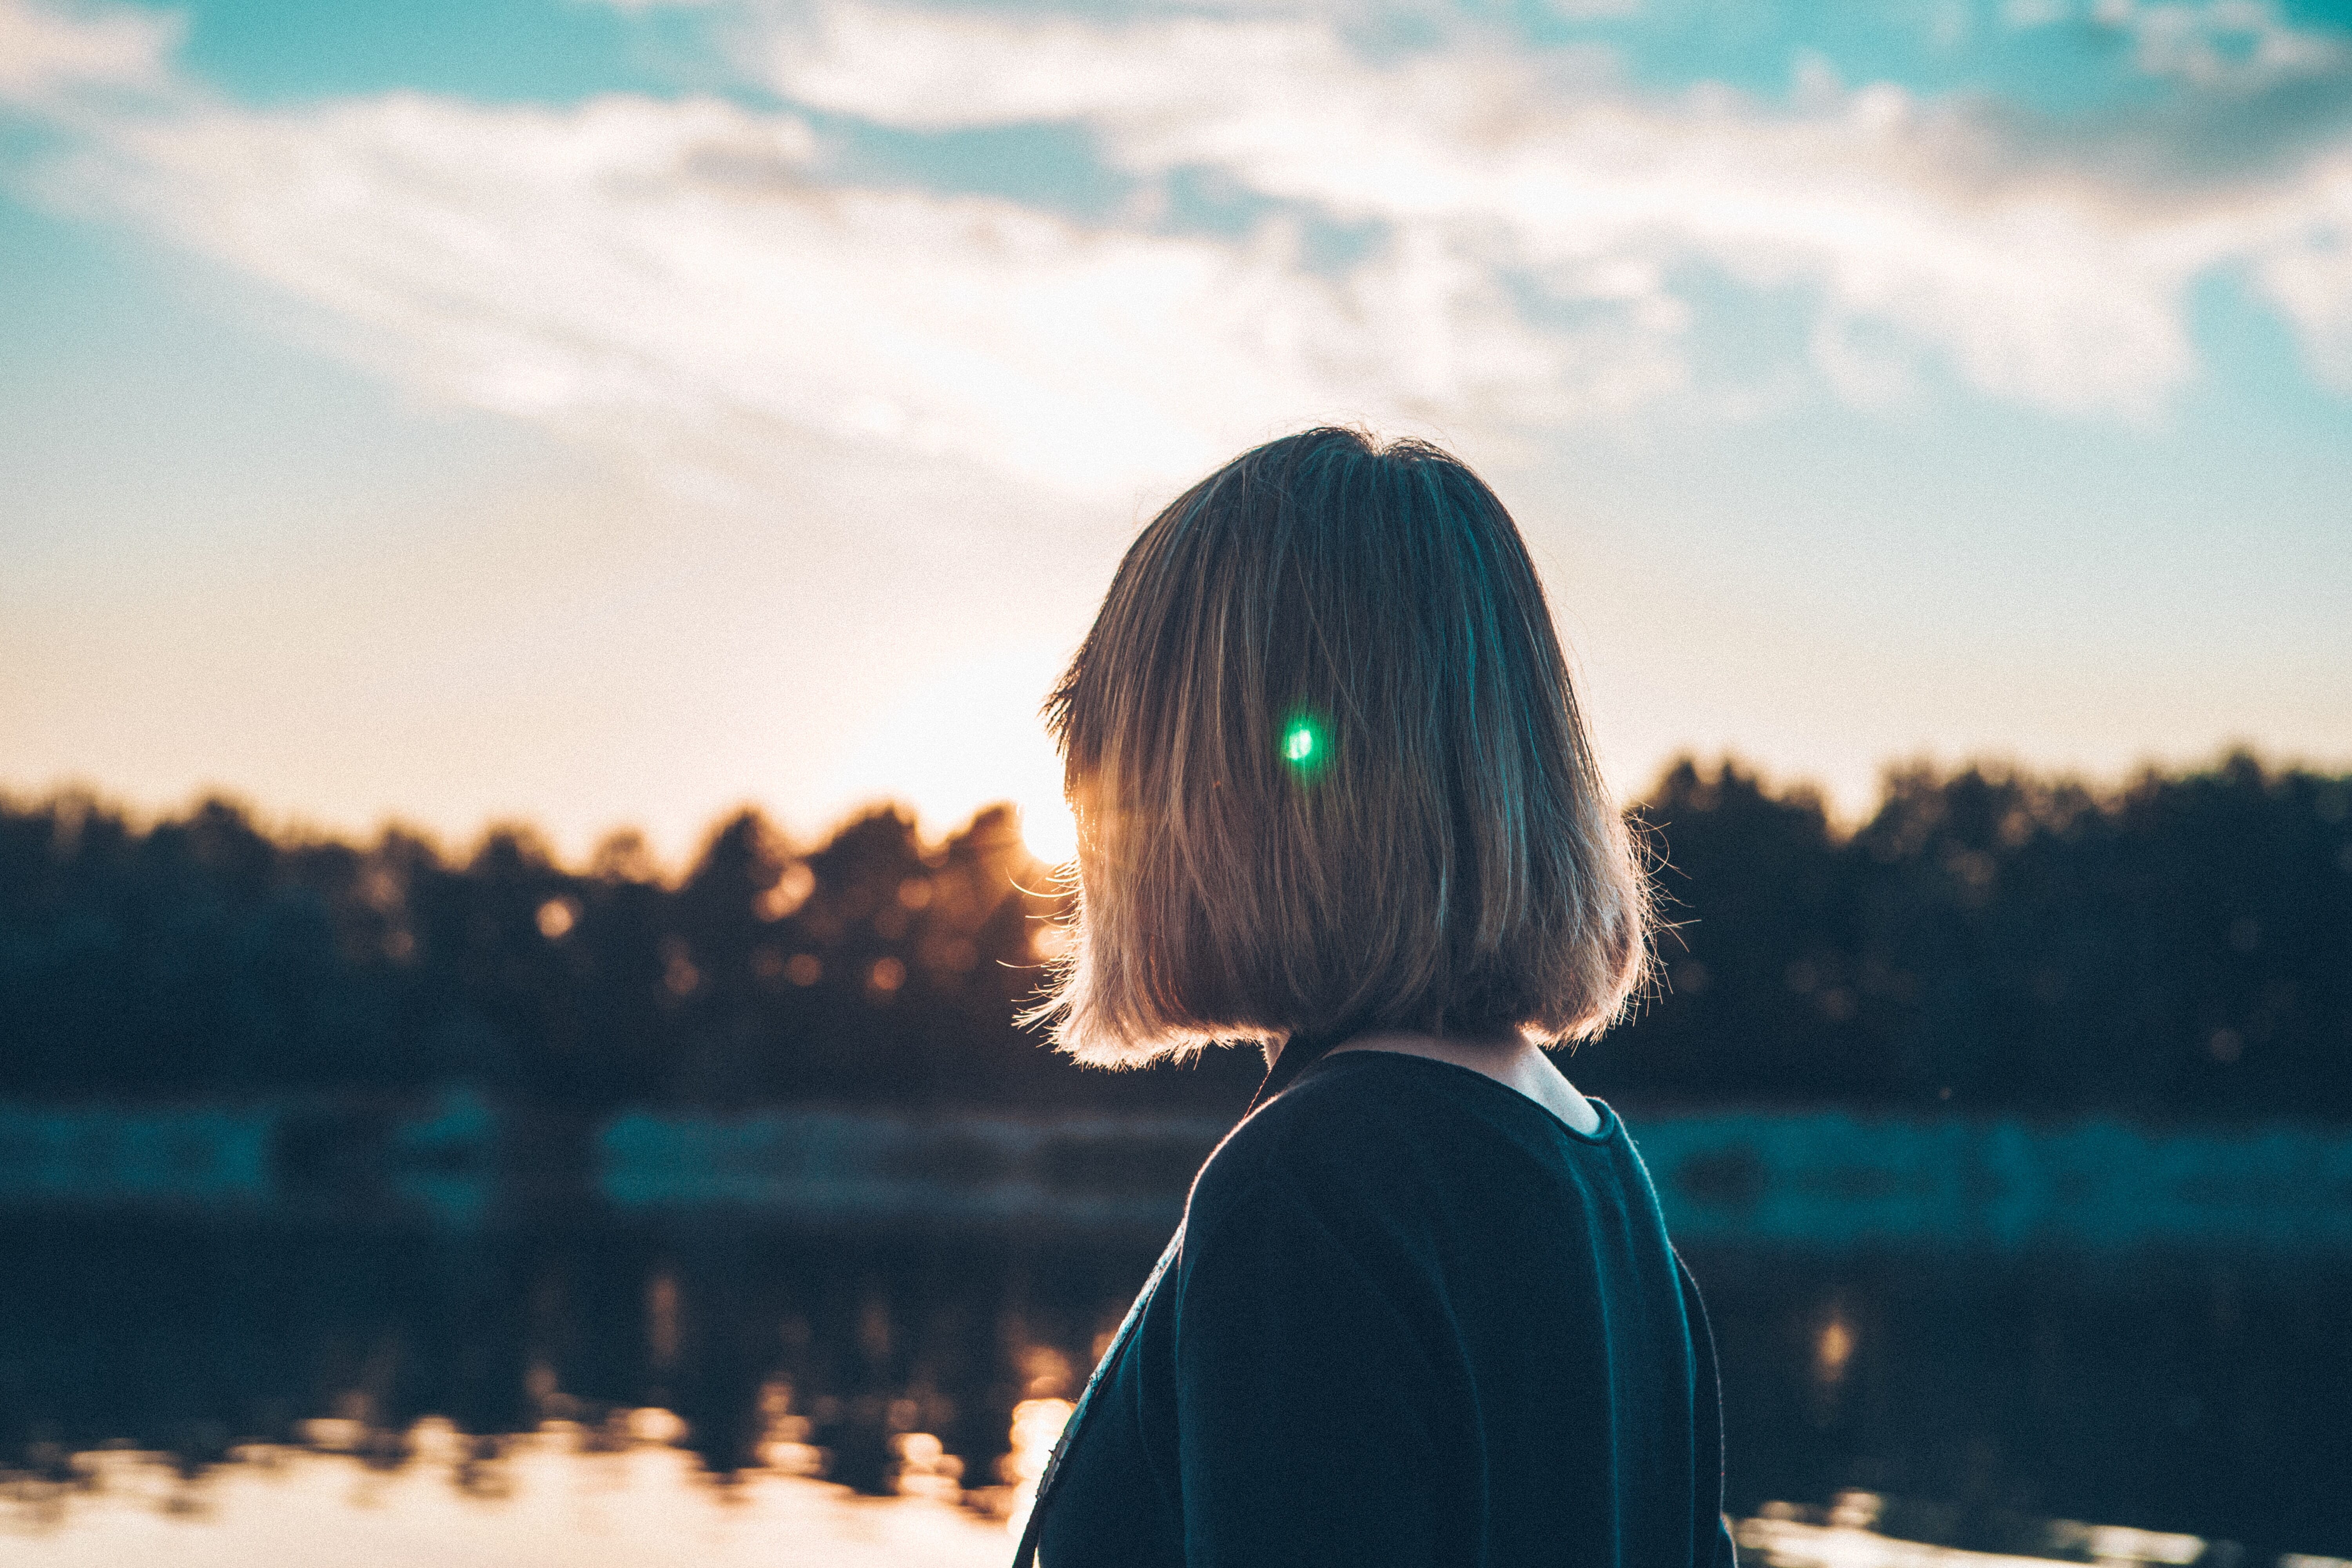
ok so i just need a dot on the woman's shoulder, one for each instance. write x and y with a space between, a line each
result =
1372 1129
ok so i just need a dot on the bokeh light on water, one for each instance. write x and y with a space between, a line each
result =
1036 1423
561 1495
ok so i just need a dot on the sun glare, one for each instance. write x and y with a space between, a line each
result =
1049 830
965 737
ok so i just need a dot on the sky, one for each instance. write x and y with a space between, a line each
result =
604 413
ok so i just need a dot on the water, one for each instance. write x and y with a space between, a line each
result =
633 1375
2197 1393
548 1503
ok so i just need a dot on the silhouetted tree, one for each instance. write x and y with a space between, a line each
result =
2183 943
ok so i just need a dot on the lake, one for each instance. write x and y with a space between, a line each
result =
846 1342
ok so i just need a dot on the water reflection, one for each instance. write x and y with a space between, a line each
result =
1848 1534
190 1338
456 1380
555 1496
1973 1400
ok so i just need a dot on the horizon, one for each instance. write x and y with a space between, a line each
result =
668 863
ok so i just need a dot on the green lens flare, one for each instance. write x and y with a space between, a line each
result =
1305 743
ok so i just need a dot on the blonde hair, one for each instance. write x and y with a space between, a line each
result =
1329 775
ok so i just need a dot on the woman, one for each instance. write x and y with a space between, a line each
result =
1334 798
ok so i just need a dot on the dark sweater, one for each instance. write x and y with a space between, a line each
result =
1411 1318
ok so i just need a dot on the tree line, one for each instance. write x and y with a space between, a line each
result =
2180 945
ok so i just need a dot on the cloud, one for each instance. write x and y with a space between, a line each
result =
2216 43
49 57
2309 278
695 282
2249 98
677 278
2057 282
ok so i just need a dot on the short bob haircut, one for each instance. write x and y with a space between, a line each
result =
1329 776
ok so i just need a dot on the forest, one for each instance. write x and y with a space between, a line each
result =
2179 945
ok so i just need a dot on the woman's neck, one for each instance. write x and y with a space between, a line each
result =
1509 1060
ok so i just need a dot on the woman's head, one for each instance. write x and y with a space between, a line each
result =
1329 775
